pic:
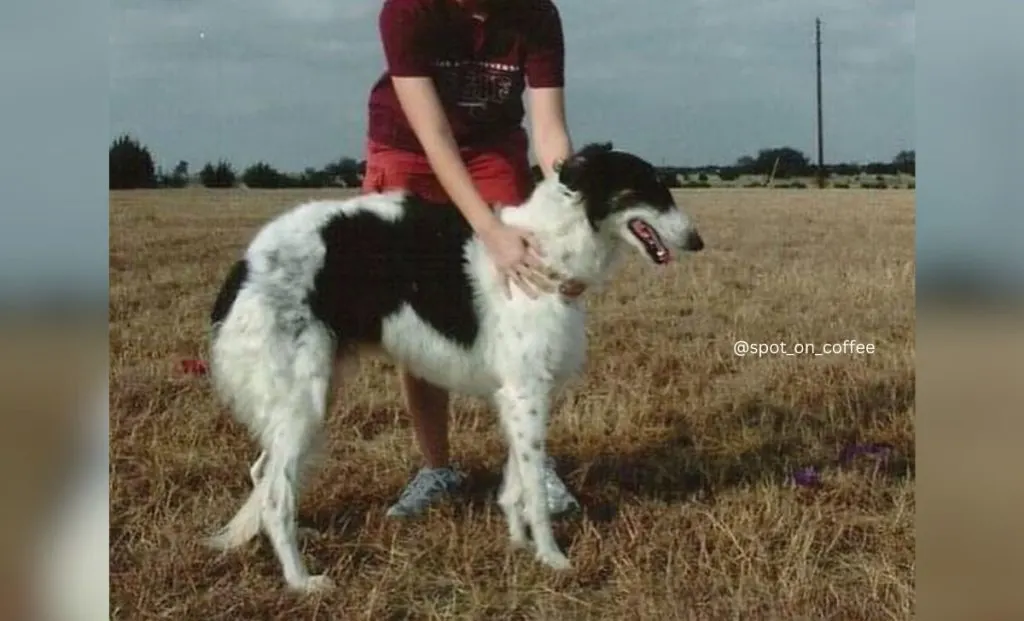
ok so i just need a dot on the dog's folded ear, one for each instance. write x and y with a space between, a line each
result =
595 148
570 170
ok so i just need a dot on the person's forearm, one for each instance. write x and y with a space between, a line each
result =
550 146
443 154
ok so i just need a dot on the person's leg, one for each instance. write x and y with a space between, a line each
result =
428 406
388 169
503 176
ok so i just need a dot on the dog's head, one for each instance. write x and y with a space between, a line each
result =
625 199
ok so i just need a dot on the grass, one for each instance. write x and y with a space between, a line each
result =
681 451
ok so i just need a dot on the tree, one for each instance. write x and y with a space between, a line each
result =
905 162
881 168
846 169
728 173
221 175
263 175
346 170
131 165
313 178
745 165
181 170
177 179
792 163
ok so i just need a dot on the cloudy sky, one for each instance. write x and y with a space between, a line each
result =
679 81
287 82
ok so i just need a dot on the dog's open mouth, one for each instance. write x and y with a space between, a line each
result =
651 241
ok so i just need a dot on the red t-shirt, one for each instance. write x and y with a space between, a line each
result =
480 68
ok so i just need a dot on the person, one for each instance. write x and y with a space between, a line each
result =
446 123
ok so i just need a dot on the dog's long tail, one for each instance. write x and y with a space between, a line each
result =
244 526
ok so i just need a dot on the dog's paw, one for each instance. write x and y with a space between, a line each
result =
306 533
554 560
314 584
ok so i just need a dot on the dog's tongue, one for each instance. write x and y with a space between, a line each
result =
650 239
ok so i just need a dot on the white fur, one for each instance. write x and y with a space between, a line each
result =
278 384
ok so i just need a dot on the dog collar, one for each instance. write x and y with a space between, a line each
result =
572 288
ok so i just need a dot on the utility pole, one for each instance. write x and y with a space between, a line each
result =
821 129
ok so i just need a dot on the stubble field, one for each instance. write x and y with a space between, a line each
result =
715 486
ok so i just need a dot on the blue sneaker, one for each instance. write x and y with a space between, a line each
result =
560 500
429 486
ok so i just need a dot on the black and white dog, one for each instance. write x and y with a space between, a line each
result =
328 278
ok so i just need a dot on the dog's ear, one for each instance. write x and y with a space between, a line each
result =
571 170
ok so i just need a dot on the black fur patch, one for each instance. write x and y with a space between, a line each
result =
612 181
373 267
236 277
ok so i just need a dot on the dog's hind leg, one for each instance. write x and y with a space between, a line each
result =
524 412
278 384
289 440
282 480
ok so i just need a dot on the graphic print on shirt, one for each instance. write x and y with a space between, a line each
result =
480 88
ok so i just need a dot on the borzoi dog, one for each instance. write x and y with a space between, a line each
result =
328 278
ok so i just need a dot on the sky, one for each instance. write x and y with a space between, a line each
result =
684 82
681 81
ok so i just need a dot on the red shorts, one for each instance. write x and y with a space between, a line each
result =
501 173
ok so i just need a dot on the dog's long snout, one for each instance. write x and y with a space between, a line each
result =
693 242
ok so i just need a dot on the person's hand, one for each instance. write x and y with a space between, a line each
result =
517 256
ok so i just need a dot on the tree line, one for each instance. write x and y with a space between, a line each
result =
132 166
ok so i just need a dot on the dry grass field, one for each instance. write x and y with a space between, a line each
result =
683 453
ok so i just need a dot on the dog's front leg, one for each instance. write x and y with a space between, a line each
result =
524 413
511 500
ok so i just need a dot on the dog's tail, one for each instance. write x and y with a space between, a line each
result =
243 527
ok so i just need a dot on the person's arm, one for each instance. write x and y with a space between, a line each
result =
408 45
545 77
551 142
422 107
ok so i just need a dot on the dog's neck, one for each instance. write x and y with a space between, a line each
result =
557 217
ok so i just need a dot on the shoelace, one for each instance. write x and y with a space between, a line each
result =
424 483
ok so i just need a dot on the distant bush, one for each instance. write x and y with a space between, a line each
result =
263 175
221 175
881 168
178 178
845 170
696 184
841 186
728 174
131 165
